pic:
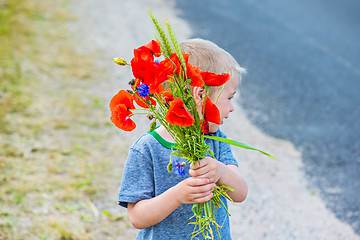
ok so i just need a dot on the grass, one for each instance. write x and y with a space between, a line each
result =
56 162
13 82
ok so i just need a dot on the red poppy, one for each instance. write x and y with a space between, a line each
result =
178 114
212 79
120 116
145 68
194 73
211 112
120 106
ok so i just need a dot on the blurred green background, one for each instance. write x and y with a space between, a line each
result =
53 170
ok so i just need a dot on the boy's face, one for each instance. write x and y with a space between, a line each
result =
224 103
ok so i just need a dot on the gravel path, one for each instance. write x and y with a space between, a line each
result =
279 204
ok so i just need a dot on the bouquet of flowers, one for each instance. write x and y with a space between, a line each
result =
175 109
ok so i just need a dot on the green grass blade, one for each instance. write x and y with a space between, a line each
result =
237 144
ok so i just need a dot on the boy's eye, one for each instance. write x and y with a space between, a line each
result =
231 96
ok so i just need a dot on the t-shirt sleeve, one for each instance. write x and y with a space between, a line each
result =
137 179
226 155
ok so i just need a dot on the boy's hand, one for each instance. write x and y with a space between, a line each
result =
207 168
194 190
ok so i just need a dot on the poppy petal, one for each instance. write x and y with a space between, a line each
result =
212 79
157 90
194 73
142 63
211 113
205 127
167 95
154 47
173 64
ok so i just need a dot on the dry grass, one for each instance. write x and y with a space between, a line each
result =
56 163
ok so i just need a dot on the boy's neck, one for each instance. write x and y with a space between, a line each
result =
164 134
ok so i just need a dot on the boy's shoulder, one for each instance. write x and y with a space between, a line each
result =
144 141
151 141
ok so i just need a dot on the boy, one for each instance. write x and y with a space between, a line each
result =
159 203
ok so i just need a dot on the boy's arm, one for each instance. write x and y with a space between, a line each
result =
232 177
222 174
149 212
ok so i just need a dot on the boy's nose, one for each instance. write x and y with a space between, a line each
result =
231 108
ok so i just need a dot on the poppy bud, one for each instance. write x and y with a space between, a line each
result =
150 117
130 91
211 153
132 82
120 61
170 167
152 126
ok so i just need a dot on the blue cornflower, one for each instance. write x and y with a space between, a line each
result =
143 90
179 168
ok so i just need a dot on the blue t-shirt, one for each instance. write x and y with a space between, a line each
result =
145 176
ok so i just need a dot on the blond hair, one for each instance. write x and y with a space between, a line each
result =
210 57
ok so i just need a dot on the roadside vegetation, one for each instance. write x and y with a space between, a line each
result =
56 164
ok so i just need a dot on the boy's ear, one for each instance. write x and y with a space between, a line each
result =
198 93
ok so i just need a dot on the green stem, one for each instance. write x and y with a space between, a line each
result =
222 89
140 113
